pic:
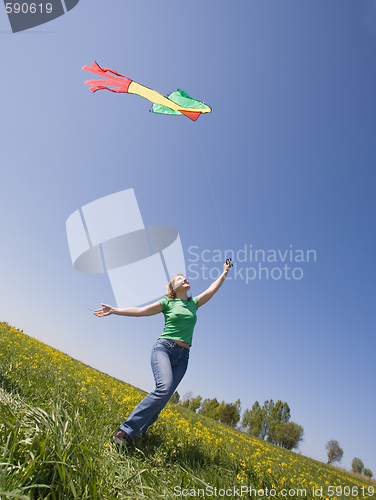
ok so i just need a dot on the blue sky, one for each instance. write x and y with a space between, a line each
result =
290 151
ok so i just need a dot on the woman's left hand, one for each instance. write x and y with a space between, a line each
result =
226 266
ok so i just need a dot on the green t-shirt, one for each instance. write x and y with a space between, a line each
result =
180 318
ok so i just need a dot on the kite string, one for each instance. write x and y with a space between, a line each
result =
212 191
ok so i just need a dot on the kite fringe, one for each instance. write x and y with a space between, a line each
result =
121 84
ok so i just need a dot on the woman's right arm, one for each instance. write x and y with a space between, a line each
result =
149 310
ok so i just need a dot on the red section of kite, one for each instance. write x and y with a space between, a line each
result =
193 115
120 82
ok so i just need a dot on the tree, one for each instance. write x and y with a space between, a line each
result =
229 413
186 399
288 435
191 403
278 415
272 422
210 408
335 452
279 412
175 398
195 403
357 465
368 472
255 421
245 420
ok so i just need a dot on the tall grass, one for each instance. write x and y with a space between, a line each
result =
57 417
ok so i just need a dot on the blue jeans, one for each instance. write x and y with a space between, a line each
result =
169 363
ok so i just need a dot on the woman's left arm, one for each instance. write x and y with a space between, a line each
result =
214 287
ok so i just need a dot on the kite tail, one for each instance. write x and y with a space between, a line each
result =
121 84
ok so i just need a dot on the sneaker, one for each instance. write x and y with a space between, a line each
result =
121 438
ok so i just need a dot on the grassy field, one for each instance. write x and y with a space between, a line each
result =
57 417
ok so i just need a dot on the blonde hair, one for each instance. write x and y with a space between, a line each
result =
170 292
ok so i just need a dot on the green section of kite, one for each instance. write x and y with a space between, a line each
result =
182 99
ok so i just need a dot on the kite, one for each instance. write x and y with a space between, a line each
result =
177 103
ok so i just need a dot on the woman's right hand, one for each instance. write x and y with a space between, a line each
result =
106 311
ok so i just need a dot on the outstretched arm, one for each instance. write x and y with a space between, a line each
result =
214 287
149 310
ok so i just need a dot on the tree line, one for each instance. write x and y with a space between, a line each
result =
270 422
226 413
335 454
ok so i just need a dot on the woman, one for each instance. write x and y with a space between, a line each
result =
169 357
